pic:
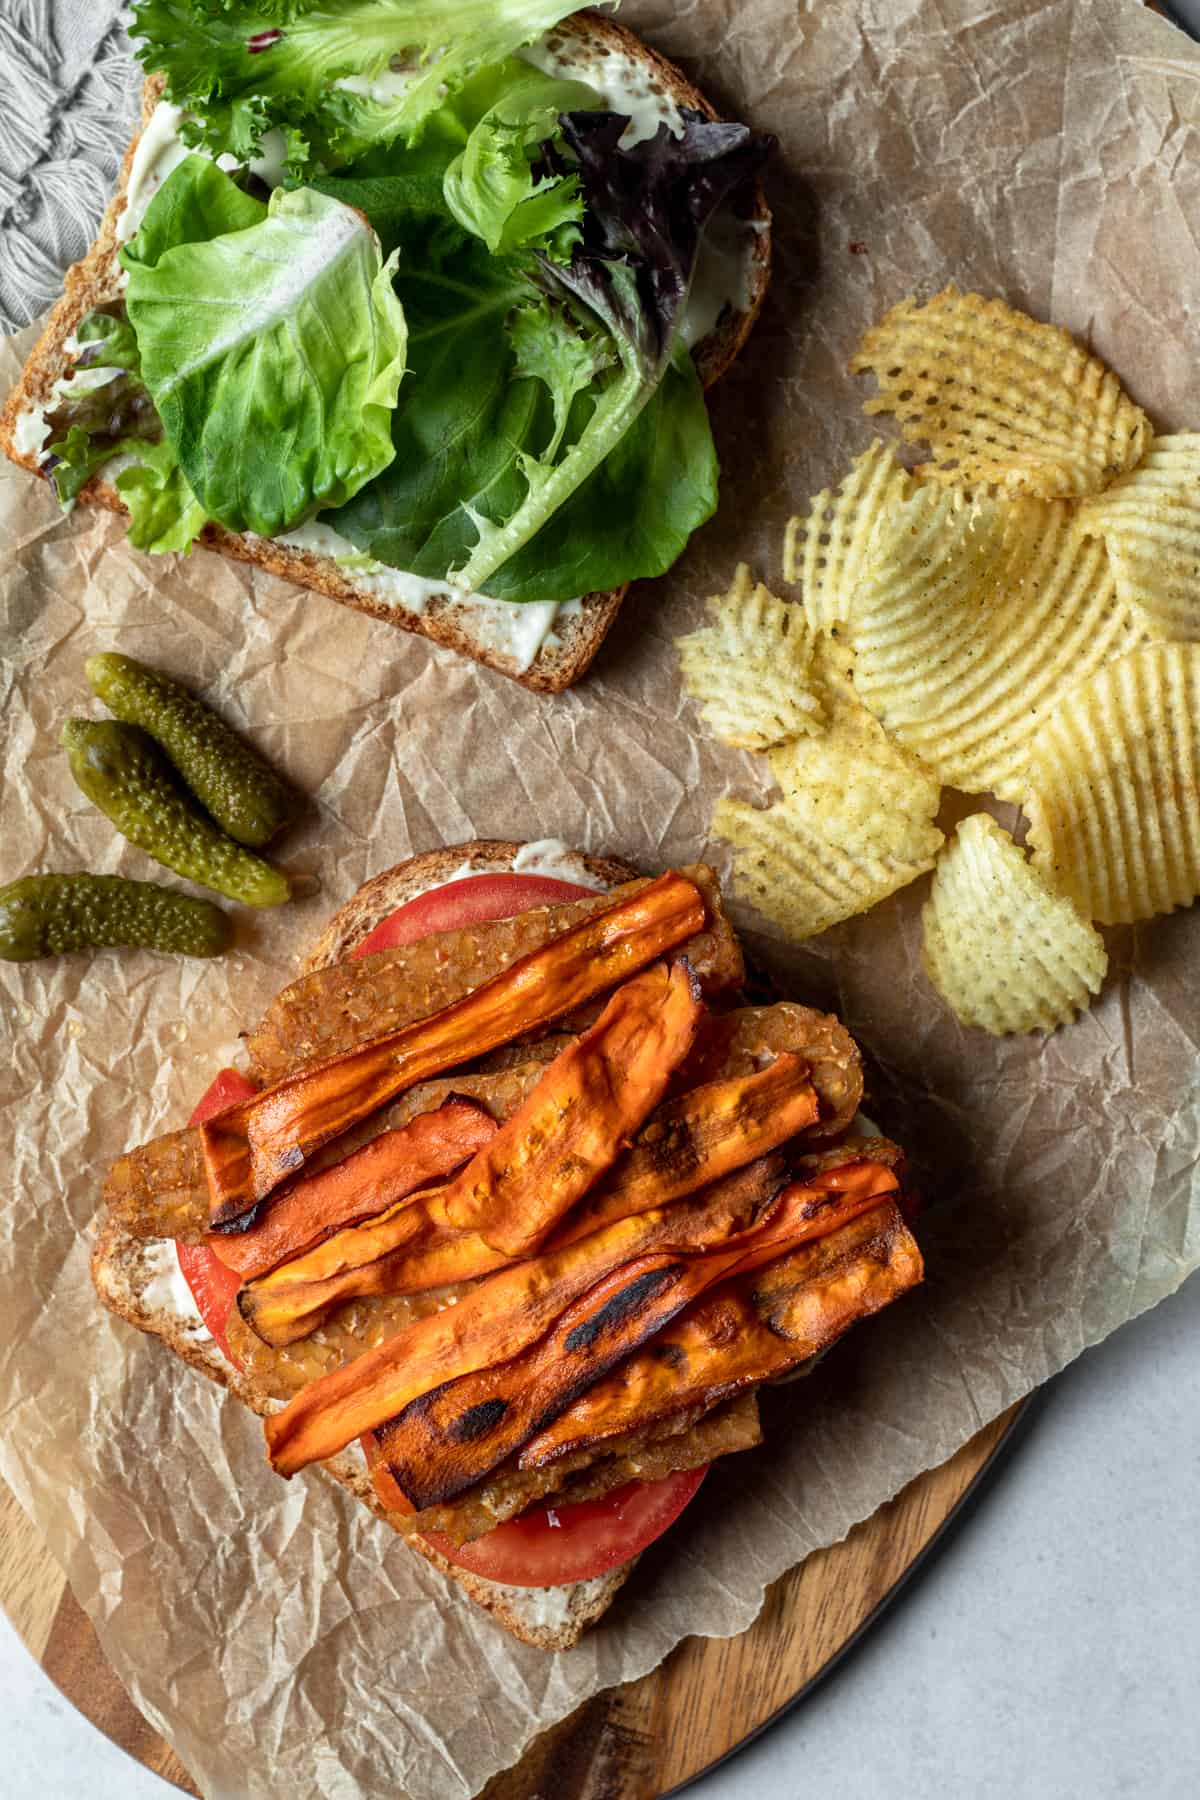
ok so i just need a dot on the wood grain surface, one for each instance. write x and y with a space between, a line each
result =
635 1742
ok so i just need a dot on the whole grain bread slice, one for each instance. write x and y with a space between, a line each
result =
589 38
124 1268
123 1271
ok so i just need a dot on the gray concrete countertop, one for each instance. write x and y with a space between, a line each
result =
1049 1650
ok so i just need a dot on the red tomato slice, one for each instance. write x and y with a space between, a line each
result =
549 1545
471 901
212 1285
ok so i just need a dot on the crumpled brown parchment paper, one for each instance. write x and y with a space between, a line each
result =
279 1637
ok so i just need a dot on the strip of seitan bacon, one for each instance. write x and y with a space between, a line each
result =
746 1331
454 1434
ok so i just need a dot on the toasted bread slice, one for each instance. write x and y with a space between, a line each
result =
591 41
128 1275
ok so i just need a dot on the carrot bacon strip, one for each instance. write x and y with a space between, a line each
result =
387 1170
448 1439
685 1145
697 1138
407 1249
500 1318
747 1330
249 1150
581 1115
333 1010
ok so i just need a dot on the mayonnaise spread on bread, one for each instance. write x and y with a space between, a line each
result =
512 630
548 856
167 1291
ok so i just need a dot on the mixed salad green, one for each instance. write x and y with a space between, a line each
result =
454 329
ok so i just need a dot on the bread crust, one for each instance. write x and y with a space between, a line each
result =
121 1269
446 620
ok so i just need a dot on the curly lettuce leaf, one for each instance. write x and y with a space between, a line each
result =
117 420
108 340
273 351
500 187
164 514
248 68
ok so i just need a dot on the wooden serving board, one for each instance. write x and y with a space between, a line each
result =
636 1742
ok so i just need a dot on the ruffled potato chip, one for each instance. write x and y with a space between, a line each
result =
972 619
1150 520
826 552
854 824
851 785
1115 775
750 667
1000 398
1004 950
795 877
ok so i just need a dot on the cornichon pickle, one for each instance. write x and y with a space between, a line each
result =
244 796
45 915
123 772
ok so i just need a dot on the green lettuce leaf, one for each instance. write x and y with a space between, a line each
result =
164 514
273 350
431 196
630 272
109 340
118 419
247 68
495 379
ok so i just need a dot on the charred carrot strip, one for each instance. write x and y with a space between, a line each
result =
746 1330
385 1171
449 1438
698 1138
685 1145
500 1318
581 1115
289 1302
249 1150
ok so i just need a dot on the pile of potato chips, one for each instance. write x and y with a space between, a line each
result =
1017 616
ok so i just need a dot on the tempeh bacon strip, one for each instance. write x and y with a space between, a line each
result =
389 1169
750 1329
449 1439
685 1145
581 1115
249 1150
501 1317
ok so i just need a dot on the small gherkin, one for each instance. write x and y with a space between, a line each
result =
50 915
230 780
123 772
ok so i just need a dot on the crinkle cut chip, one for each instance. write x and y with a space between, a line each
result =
826 552
750 667
1114 807
1000 398
1003 949
973 620
1150 520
